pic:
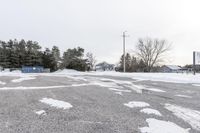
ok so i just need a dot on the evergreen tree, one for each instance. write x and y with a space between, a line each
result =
56 55
73 59
134 64
48 60
21 50
141 66
127 63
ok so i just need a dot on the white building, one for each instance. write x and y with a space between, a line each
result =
104 66
171 69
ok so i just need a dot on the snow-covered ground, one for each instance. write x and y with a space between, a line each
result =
97 90
164 77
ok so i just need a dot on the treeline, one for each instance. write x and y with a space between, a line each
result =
15 54
149 52
133 64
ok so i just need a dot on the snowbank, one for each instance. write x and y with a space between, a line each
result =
163 77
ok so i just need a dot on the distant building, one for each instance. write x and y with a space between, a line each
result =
104 66
190 68
171 69
32 69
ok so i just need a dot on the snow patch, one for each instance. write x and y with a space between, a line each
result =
119 93
139 88
196 85
22 79
105 84
150 111
77 78
163 77
136 104
118 90
184 96
78 85
31 88
136 88
41 112
154 89
188 115
56 103
159 126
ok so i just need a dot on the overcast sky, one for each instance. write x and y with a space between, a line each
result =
97 25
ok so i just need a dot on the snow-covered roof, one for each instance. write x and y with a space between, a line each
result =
173 67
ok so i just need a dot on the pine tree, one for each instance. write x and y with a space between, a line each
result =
48 60
127 63
72 59
56 55
141 66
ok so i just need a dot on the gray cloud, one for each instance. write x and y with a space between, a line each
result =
97 25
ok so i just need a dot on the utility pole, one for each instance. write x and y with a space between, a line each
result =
124 49
194 62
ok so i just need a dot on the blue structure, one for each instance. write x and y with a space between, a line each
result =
32 69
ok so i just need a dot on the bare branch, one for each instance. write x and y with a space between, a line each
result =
151 51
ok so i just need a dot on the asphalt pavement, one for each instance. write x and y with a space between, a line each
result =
96 107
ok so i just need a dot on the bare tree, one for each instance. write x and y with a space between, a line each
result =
91 60
152 51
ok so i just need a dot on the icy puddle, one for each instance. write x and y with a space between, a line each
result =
188 115
151 111
159 126
136 104
56 103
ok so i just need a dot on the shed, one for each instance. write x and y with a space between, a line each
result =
32 69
